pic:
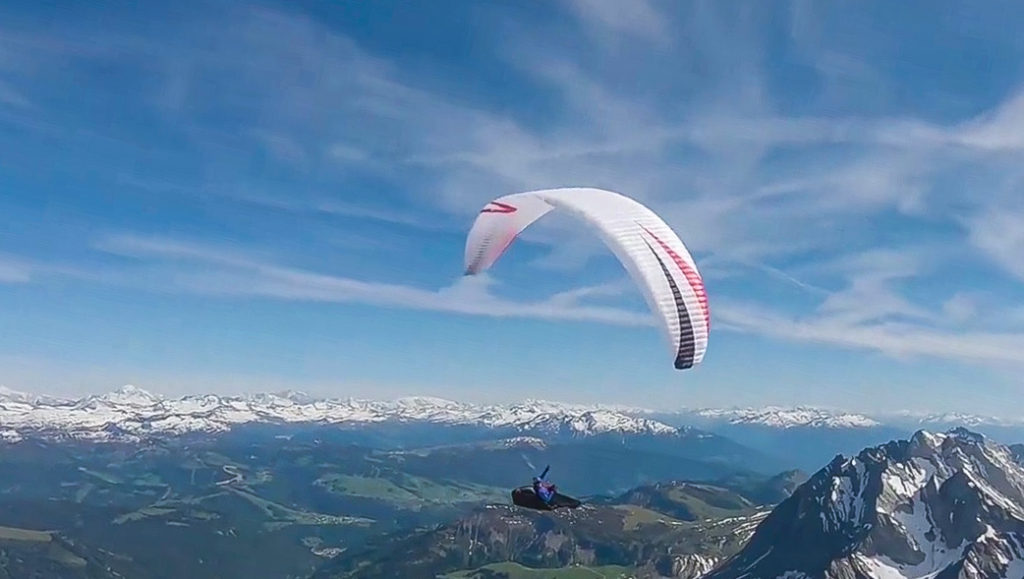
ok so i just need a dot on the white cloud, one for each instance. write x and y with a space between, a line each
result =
221 272
638 18
868 314
753 189
14 271
871 311
895 339
19 270
12 98
999 234
960 308
996 130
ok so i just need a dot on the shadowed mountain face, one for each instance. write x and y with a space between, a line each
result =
934 506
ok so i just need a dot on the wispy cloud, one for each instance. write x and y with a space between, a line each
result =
684 114
999 233
11 97
872 312
639 19
432 221
890 338
221 272
868 314
14 270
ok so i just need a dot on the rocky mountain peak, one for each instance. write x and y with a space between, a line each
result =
938 505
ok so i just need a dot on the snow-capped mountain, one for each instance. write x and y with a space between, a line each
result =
946 419
809 436
936 506
8 396
131 411
778 417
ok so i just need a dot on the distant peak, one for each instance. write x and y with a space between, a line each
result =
781 417
426 401
297 396
964 435
132 395
14 395
926 439
132 389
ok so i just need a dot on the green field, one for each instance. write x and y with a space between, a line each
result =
410 492
142 514
637 516
16 534
54 551
279 513
708 502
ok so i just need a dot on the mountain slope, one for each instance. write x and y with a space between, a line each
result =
650 543
48 555
687 501
936 506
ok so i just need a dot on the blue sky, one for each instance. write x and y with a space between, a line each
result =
227 196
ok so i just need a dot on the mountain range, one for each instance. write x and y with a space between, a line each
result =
937 505
133 408
801 437
285 485
132 411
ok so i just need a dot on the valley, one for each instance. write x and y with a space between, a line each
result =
428 496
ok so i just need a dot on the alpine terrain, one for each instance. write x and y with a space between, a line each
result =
936 506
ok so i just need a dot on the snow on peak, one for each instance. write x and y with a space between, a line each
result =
12 396
525 442
133 410
932 420
908 509
6 394
131 396
958 418
779 417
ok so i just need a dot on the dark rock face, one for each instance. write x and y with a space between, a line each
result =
948 506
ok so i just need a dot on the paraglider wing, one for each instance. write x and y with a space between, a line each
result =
498 225
653 255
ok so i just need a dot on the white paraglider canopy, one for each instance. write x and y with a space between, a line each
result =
653 255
